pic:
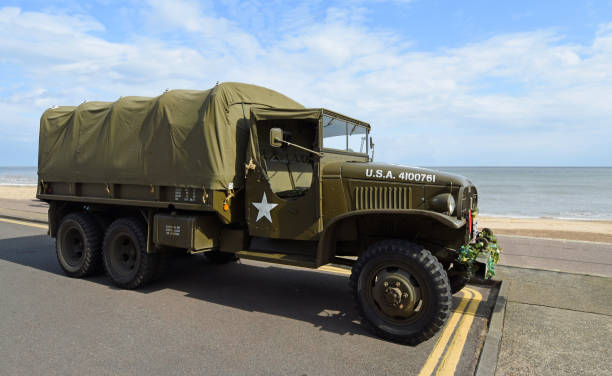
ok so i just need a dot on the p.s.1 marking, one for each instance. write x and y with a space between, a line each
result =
404 175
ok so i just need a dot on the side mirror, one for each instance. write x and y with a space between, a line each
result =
276 137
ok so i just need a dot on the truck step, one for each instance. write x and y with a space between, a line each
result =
279 258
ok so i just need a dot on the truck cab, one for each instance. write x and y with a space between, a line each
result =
311 176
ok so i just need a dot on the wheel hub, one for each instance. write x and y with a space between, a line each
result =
395 293
123 255
73 247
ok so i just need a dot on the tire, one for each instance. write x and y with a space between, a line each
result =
78 245
126 261
458 278
218 257
414 303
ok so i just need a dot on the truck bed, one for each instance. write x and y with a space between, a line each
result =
147 196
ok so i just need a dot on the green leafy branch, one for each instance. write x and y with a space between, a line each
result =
485 243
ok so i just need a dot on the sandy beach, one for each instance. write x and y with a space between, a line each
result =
568 229
18 192
599 231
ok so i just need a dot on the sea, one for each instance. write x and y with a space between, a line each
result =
524 192
535 192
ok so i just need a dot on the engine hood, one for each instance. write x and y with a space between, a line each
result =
393 173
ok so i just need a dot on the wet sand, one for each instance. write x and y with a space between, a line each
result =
598 231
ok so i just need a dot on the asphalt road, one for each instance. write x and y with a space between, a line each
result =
245 318
569 256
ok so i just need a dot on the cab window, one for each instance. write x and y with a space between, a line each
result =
357 136
343 135
289 170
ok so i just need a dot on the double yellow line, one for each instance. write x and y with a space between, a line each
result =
464 316
456 331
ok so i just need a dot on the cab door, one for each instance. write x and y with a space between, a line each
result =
283 190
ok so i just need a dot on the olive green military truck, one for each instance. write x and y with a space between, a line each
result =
240 171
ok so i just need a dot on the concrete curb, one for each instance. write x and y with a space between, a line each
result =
487 363
16 218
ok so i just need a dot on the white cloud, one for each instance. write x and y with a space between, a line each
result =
512 94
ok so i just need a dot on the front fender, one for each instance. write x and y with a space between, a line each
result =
325 251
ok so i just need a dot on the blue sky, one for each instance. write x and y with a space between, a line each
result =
442 82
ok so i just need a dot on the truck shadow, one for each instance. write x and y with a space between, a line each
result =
321 299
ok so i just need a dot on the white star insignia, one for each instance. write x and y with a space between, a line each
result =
264 208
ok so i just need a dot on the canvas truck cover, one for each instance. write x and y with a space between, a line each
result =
182 138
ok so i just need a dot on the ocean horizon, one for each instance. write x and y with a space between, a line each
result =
583 193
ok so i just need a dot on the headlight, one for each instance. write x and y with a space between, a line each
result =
451 204
443 203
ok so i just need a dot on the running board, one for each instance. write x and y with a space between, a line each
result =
279 258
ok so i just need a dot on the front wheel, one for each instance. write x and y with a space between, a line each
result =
401 290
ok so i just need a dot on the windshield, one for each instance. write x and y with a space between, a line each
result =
343 135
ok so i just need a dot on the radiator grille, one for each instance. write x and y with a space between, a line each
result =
382 198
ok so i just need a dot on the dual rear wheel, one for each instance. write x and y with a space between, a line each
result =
82 250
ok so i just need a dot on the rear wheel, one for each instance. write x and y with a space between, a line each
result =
78 244
126 260
401 290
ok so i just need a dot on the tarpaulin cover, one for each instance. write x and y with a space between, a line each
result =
181 138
